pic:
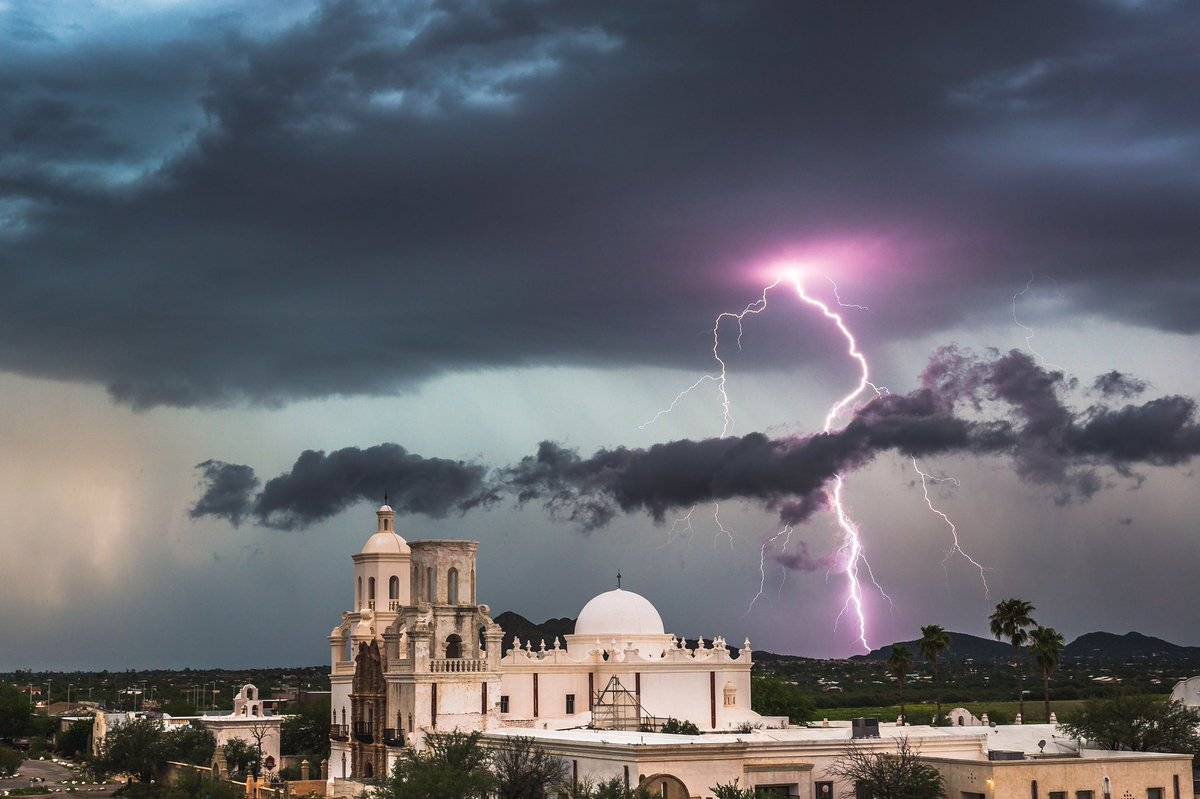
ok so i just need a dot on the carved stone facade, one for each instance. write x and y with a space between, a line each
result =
368 709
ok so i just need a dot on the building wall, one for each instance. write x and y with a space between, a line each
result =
1128 774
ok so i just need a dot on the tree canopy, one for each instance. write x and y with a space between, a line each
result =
889 775
1136 723
452 765
15 713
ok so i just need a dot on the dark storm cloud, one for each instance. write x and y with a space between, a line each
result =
999 404
227 492
1019 409
321 484
1116 384
383 192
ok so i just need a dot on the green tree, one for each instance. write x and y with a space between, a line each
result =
452 765
137 748
524 770
15 713
772 696
1047 646
189 744
1011 621
1138 724
242 757
889 775
934 643
899 664
306 732
73 741
730 790
615 789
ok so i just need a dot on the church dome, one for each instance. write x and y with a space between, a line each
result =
618 613
385 544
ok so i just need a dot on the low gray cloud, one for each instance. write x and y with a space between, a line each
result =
375 194
800 560
320 485
999 404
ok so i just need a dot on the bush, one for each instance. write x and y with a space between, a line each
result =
677 727
10 761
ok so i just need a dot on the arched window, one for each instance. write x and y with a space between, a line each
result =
430 585
360 602
452 587
385 524
453 646
394 587
371 589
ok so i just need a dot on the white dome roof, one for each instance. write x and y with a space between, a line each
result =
385 508
385 544
617 613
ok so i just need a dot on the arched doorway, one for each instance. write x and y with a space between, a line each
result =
454 646
664 786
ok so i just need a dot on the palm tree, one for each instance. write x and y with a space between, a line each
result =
1011 621
934 642
1047 646
899 664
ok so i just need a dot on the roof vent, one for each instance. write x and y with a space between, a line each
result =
864 728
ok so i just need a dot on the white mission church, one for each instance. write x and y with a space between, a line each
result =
420 654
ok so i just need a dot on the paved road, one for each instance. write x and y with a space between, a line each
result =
55 776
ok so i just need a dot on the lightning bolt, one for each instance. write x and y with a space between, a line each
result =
851 548
955 546
720 526
762 562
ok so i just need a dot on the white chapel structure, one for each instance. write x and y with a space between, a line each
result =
419 653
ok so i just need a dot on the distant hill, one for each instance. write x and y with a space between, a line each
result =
1100 646
1130 646
514 624
963 646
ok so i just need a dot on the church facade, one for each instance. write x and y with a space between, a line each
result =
419 654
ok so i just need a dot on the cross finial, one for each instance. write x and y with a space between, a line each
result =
385 498
618 579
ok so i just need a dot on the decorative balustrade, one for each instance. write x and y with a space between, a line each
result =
457 665
364 732
393 737
338 732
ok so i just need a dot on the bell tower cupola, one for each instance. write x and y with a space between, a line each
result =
382 570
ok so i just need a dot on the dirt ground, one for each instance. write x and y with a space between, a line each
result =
56 777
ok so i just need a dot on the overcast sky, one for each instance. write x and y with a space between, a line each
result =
236 232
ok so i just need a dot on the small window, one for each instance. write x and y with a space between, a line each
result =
503 704
394 587
452 587
1155 793
1058 795
570 704
371 589
1085 795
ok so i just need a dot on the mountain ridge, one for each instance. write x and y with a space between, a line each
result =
1098 645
